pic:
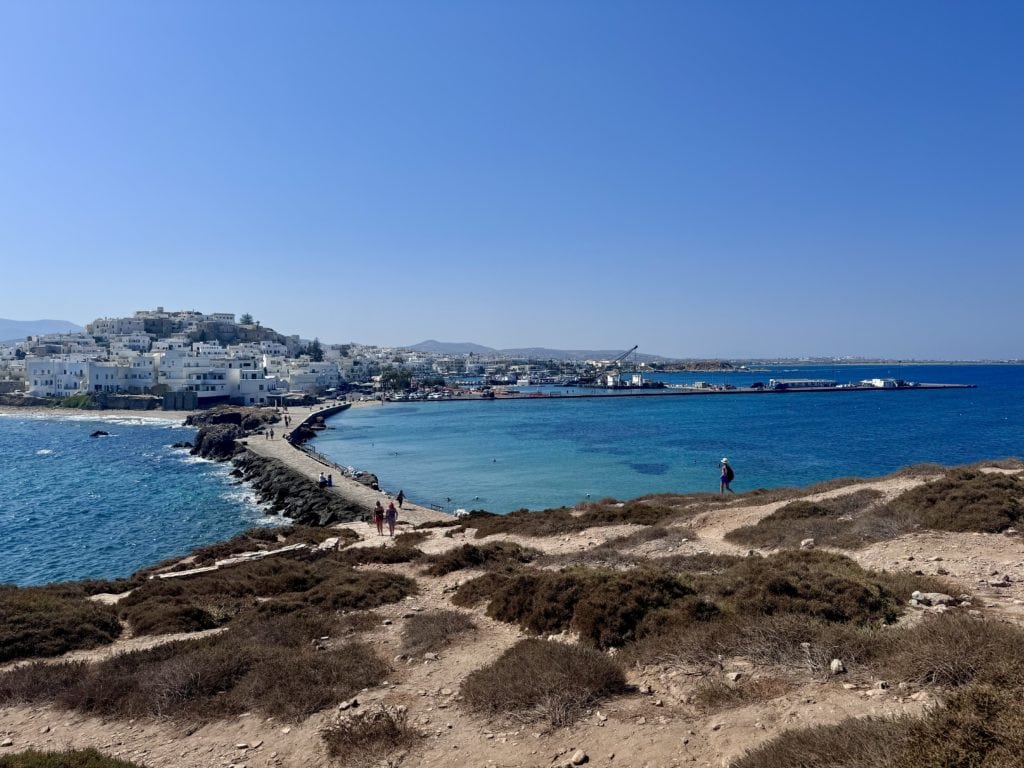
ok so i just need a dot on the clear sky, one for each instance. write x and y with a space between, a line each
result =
699 178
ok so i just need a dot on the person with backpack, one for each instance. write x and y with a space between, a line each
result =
726 477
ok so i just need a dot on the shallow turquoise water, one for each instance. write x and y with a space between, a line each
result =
74 507
504 455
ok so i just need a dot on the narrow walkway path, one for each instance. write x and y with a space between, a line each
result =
346 487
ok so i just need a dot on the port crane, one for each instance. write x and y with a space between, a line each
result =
614 364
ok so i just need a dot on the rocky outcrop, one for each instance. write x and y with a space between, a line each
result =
368 479
217 441
250 419
294 495
301 434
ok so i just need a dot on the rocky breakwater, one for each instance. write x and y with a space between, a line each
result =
221 437
292 494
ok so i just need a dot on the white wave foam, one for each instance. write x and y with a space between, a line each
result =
43 452
121 419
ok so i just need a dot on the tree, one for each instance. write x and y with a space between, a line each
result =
19 353
392 378
245 319
315 351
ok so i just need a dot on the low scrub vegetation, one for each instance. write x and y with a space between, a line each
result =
365 738
213 599
560 521
714 693
493 555
539 679
49 621
382 555
266 663
966 500
433 630
71 758
702 595
848 521
980 663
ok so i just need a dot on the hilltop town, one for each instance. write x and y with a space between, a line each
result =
182 360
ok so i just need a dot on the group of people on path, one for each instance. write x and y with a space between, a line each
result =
325 482
381 516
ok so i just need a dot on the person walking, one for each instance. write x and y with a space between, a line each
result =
378 518
391 517
400 498
726 477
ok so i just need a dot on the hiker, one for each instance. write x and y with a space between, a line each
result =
271 433
391 516
322 481
378 518
726 478
330 481
400 498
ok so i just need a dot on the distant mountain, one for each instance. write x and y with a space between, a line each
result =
451 348
17 330
531 353
543 353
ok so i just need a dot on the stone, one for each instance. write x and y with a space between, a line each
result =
933 598
286 730
579 757
241 745
733 676
7 742
807 544
836 667
430 656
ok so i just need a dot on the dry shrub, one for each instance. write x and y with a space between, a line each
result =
702 562
604 607
71 758
847 521
713 694
981 726
479 590
665 534
382 555
365 738
560 521
854 743
604 556
955 649
49 621
538 679
359 621
314 578
433 630
266 663
453 523
966 500
494 555
411 538
810 582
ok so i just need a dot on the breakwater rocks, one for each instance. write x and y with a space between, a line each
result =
217 441
220 427
292 494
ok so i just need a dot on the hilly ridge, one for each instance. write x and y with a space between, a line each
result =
17 330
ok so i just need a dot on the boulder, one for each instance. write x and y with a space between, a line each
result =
807 544
99 433
933 598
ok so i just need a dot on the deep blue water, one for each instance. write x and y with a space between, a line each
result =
504 455
76 507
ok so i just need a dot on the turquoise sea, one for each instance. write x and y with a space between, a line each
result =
505 455
74 506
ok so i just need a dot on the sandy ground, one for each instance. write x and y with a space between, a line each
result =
656 727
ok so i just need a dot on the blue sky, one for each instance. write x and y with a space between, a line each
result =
699 178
